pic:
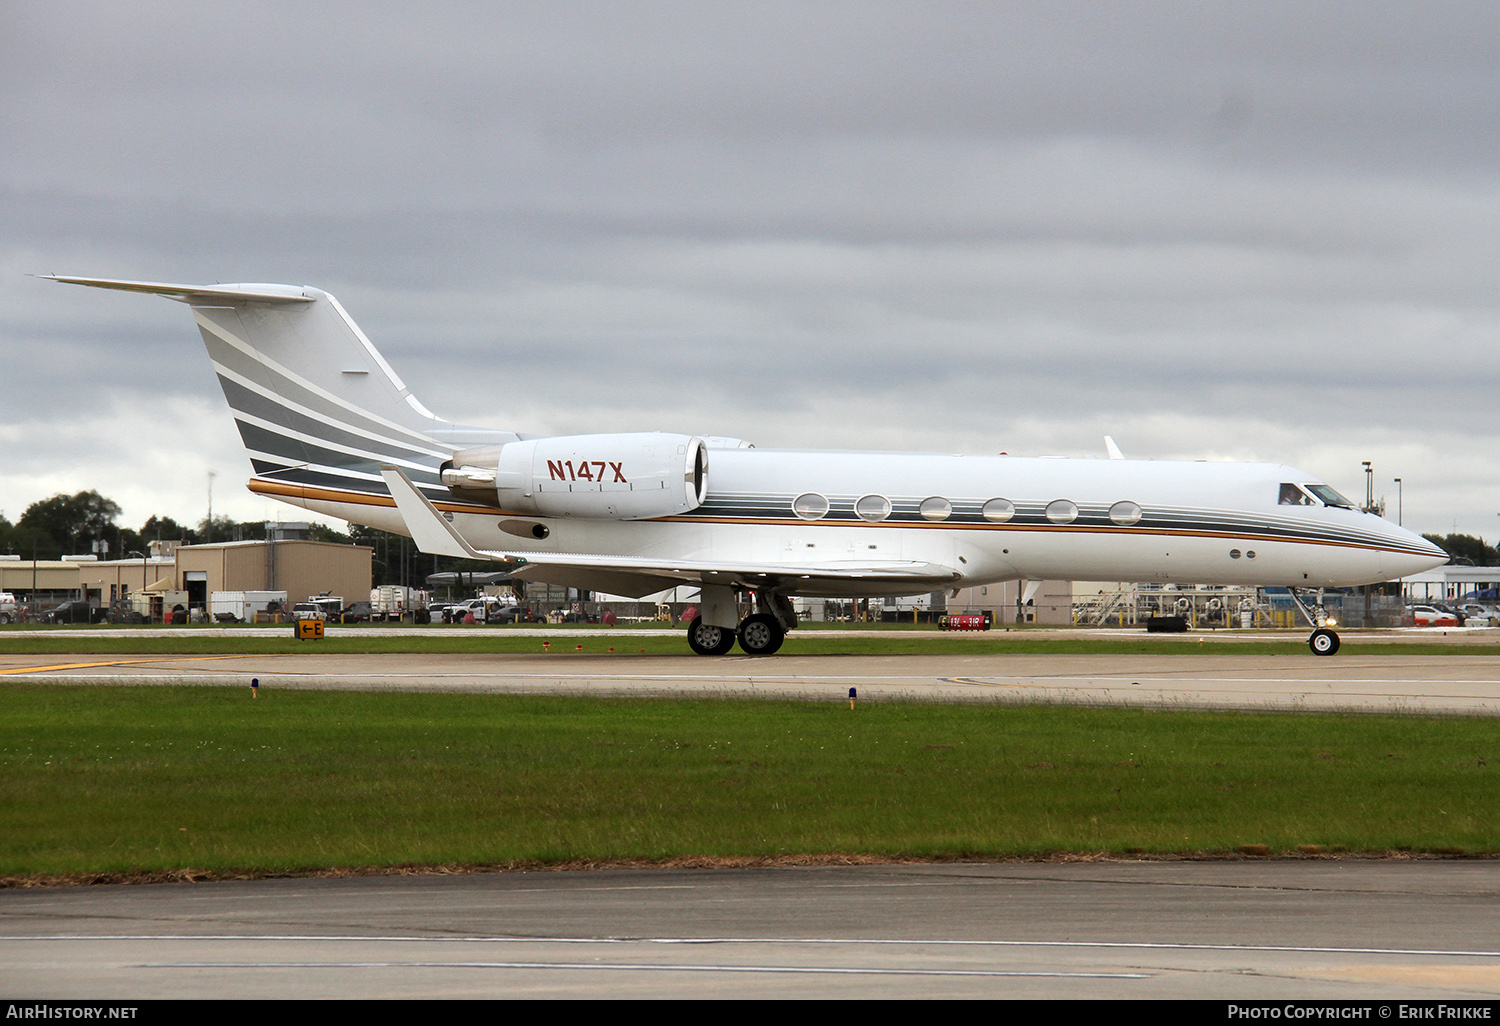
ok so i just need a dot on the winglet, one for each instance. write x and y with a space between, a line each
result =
1113 449
433 535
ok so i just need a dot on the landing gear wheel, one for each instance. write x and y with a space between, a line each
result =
1323 642
706 640
761 634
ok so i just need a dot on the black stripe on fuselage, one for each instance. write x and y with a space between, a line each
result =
1092 518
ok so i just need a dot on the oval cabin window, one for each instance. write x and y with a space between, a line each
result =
872 507
936 508
1125 513
1062 511
810 506
998 511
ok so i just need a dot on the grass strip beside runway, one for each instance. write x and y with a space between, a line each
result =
121 780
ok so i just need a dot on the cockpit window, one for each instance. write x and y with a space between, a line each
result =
1291 495
1328 495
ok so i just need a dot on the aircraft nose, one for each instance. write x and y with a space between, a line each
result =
1411 554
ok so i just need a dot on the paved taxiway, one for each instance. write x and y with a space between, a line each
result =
1312 929
1304 929
1387 681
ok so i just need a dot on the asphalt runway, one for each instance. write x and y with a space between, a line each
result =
1388 681
1372 930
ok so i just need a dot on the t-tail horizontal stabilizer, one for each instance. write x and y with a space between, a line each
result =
196 295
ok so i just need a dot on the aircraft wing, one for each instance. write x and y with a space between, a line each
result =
635 576
641 575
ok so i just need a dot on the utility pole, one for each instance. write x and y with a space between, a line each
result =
209 532
1369 486
1398 502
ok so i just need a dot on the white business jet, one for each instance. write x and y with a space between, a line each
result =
330 426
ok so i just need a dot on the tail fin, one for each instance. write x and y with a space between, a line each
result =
315 402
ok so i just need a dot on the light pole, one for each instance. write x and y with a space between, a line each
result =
210 522
1369 485
1398 502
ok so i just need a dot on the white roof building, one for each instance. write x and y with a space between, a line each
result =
1449 582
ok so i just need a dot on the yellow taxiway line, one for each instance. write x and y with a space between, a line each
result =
123 662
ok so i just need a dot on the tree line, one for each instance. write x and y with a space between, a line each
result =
68 525
1466 548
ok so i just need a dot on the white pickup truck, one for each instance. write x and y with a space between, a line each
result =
319 607
486 609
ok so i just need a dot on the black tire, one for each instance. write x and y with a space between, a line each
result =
761 634
706 640
4 618
1323 642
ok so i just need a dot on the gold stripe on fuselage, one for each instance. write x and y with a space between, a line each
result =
353 498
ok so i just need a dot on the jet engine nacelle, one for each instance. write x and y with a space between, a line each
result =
603 477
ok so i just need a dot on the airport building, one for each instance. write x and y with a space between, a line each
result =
1452 582
189 574
43 583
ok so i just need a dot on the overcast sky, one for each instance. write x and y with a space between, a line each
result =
1247 231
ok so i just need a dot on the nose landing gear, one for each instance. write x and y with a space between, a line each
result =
1323 641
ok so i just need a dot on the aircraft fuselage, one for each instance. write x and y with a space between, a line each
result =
1134 520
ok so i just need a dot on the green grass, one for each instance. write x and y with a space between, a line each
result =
108 780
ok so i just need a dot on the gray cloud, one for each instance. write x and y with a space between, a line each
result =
1230 230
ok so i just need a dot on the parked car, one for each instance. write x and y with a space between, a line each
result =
1486 615
357 612
1433 616
308 611
77 611
509 614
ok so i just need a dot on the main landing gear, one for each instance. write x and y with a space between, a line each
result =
706 640
758 634
1323 641
761 634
